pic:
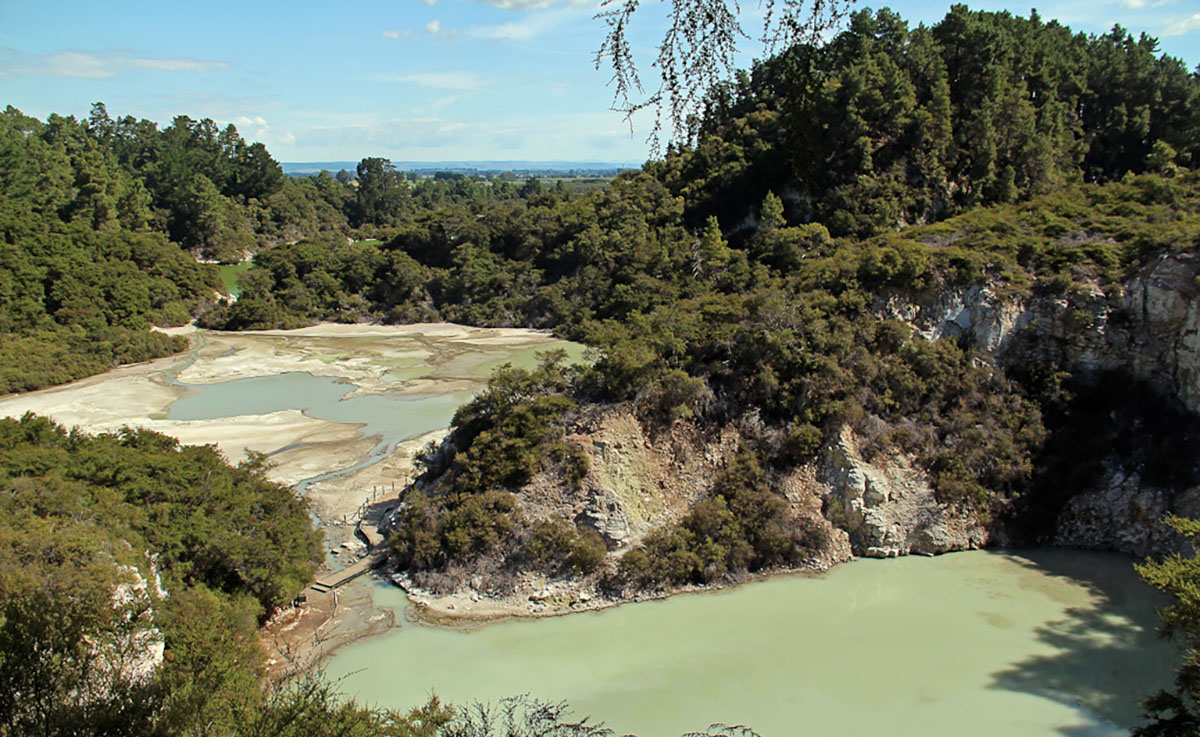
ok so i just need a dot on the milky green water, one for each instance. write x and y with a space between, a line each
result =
980 643
260 395
391 417
529 357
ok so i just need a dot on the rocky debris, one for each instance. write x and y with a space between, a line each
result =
1125 515
635 481
889 508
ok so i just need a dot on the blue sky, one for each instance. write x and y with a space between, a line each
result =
412 80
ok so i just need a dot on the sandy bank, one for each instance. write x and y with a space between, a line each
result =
438 356
426 359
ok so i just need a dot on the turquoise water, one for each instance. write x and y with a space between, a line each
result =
979 643
394 417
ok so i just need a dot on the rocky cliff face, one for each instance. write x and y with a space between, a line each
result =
1148 326
637 482
1124 514
888 507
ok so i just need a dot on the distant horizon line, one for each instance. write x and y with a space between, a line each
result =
504 164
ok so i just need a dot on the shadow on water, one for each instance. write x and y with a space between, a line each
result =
1105 655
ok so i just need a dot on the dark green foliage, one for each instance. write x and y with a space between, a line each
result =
226 527
1079 235
1177 713
743 526
556 544
522 716
205 186
381 193
311 707
507 433
502 439
499 261
889 125
81 280
83 517
53 678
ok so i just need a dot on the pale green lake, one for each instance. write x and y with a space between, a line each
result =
984 643
391 417
1048 642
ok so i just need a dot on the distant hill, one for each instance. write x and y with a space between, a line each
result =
312 167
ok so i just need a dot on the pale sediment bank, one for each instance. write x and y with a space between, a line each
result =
406 361
552 598
365 355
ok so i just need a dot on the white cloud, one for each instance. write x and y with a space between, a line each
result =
434 28
430 2
253 127
600 136
1133 4
380 136
397 35
531 26
437 80
89 65
173 65
1185 26
515 31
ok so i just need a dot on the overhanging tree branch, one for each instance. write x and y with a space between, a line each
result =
697 53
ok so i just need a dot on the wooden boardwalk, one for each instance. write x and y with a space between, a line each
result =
377 553
349 573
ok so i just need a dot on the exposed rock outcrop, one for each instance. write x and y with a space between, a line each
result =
131 654
888 508
1148 325
1125 515
636 483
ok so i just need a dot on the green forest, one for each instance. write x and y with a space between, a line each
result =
738 275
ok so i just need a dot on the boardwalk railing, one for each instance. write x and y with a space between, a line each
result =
376 554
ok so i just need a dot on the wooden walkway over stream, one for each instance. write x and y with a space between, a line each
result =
369 517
